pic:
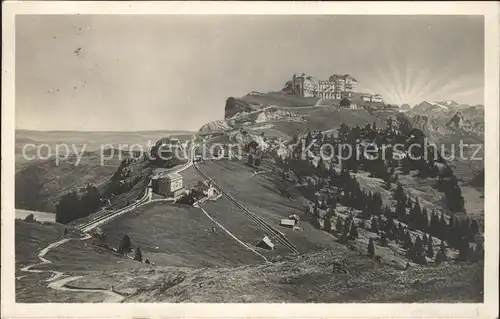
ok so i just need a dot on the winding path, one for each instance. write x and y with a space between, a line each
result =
59 284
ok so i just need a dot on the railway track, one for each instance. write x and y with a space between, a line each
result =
102 219
272 232
143 200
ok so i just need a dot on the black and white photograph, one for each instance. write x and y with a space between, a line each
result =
252 158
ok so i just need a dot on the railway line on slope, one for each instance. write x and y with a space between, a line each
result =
272 232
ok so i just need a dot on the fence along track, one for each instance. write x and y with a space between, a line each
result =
263 224
114 214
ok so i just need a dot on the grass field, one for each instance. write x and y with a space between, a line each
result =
190 177
266 196
31 237
242 226
308 278
280 99
177 235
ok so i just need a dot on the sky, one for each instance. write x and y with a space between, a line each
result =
175 72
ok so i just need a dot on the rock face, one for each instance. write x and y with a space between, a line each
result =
449 117
427 107
235 106
457 121
460 123
426 124
405 107
244 137
215 127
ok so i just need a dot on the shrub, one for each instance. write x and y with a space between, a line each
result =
125 244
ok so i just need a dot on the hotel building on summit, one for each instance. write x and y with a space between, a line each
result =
338 86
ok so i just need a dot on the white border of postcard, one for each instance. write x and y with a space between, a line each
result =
488 309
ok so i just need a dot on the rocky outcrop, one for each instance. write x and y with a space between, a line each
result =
427 107
460 123
244 137
215 127
457 121
449 117
235 106
405 107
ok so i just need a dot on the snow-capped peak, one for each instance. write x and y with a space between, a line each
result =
439 105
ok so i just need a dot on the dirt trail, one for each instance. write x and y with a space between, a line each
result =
59 284
62 285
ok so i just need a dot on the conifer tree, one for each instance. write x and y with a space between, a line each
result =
383 239
332 201
347 225
434 224
362 224
463 250
409 203
479 250
374 225
387 212
474 228
441 255
430 249
125 244
138 254
339 227
400 211
399 193
327 222
371 248
419 248
407 242
353 233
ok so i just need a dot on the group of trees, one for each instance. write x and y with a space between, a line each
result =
125 246
453 194
457 232
411 213
346 229
387 222
73 205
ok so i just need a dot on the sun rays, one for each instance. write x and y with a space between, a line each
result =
402 79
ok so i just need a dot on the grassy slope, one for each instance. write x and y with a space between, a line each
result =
183 236
308 278
73 258
279 99
265 196
31 237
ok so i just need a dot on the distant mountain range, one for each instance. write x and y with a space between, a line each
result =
450 115
426 106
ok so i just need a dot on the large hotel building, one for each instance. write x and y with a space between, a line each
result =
336 87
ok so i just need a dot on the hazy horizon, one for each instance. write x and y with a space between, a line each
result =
103 131
174 73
